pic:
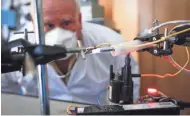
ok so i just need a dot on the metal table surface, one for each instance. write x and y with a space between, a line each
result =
21 105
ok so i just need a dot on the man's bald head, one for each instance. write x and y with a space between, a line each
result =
73 3
76 4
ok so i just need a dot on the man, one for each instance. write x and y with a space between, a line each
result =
72 78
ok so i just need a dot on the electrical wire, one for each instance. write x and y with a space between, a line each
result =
162 39
170 61
162 94
170 75
174 63
177 65
104 44
168 100
98 96
155 42
146 44
177 27
169 22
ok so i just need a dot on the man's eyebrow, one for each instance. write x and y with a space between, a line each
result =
66 17
46 20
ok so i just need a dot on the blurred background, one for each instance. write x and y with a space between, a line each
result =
129 18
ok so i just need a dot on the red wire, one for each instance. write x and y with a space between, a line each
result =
166 75
168 59
156 75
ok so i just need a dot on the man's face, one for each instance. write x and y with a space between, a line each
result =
62 14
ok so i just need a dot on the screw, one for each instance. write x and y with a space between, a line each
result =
154 38
156 51
156 22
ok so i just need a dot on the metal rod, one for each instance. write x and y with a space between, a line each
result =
23 32
26 34
82 52
75 50
43 81
165 47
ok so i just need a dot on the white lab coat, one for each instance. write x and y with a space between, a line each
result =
88 77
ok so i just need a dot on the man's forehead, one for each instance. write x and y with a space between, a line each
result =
49 5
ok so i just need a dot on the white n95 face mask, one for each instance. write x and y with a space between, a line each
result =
63 38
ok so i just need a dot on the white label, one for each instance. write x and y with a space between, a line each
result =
110 92
149 105
80 110
96 51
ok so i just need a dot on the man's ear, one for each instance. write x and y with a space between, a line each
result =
79 27
80 19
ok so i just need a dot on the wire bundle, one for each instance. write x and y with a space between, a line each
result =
143 45
171 60
169 75
158 41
